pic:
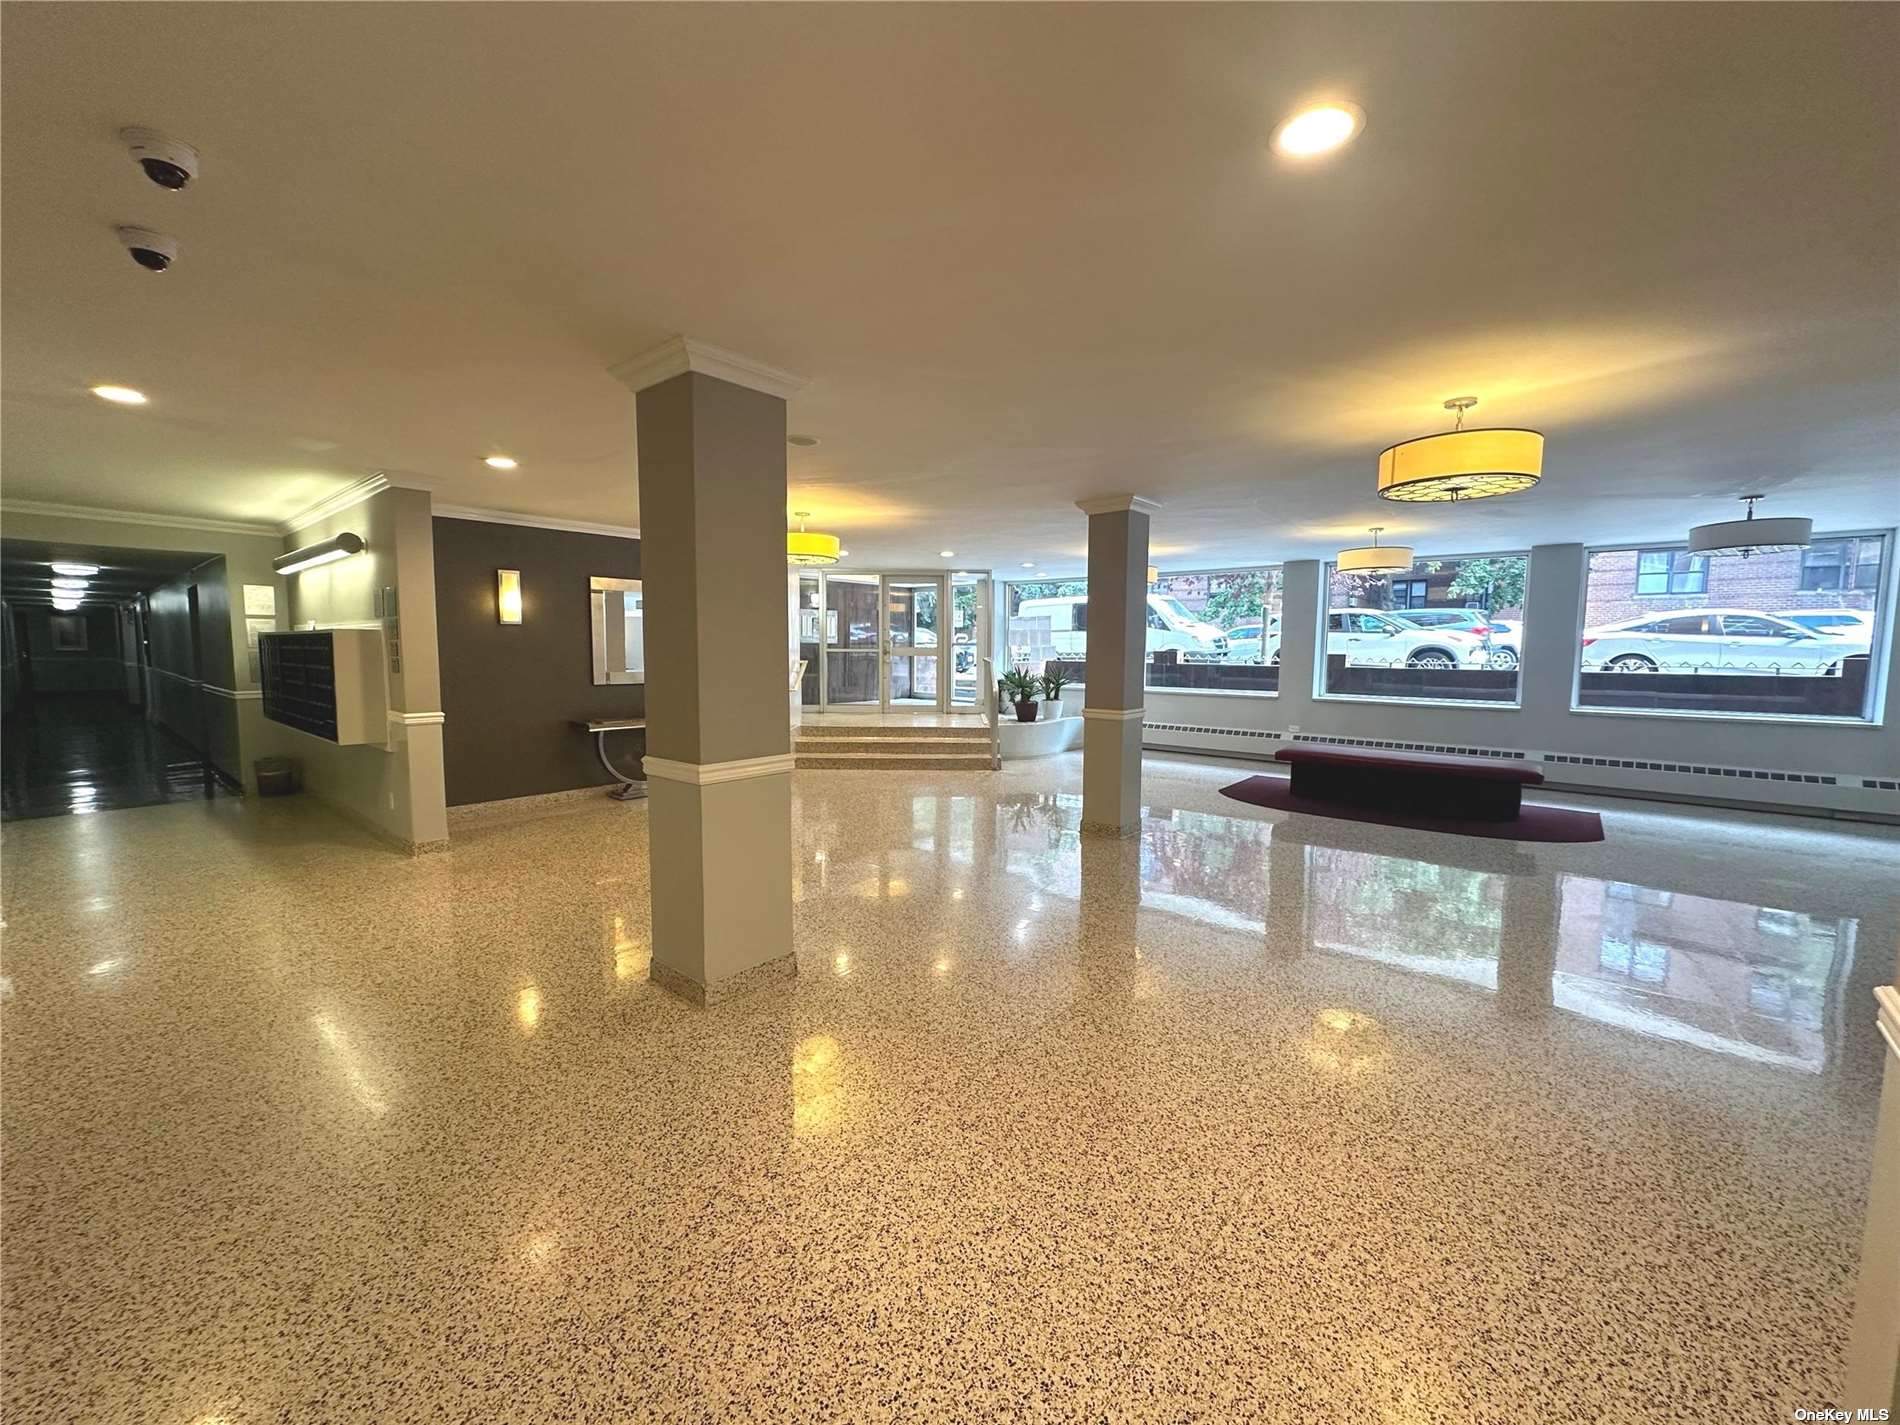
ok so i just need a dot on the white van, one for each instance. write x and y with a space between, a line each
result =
1170 626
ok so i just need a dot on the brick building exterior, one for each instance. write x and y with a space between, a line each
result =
1830 574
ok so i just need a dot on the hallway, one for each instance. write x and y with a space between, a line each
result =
1253 1111
84 752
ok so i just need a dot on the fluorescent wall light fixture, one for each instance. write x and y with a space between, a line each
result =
338 546
1461 464
508 595
75 571
1749 535
1374 558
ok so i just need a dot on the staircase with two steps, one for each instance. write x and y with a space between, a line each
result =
935 749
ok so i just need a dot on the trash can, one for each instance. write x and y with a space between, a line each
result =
278 776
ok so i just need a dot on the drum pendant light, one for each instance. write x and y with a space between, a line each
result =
1461 464
1374 558
1749 535
813 548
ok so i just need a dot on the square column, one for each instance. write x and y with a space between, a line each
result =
1118 644
719 763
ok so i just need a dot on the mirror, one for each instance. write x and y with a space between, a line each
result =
620 644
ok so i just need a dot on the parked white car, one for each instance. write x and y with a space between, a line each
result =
1373 639
1254 642
1842 623
1170 627
1715 641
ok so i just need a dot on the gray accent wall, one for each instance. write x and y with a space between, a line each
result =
511 694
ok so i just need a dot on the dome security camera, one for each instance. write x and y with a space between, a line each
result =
153 251
168 163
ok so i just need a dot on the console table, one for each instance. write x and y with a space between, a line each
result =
629 789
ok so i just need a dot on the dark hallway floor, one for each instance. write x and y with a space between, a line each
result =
66 753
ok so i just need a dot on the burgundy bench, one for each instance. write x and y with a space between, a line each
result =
1424 783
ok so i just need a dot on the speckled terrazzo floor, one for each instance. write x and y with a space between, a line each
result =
1256 1117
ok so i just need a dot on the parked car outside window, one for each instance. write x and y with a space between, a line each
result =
1372 639
1737 641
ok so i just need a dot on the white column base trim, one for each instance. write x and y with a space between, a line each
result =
1116 714
678 354
702 774
1888 998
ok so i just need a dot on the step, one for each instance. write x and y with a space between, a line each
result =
894 761
937 746
973 733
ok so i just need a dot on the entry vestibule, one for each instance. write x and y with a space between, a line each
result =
892 641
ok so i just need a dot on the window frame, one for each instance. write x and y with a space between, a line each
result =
1879 673
1670 574
1326 572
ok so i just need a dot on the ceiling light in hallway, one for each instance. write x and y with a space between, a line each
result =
77 585
501 462
948 553
1319 130
75 571
119 395
1749 535
810 548
1461 464
1374 558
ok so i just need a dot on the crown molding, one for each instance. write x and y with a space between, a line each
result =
677 355
346 498
472 512
1115 504
86 512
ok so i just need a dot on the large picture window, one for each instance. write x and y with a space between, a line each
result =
1447 629
1215 631
1788 634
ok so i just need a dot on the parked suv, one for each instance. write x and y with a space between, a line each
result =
1715 641
1373 639
1170 626
1500 651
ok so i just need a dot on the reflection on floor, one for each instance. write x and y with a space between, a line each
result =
85 752
1253 1112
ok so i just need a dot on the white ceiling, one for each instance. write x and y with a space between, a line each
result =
1023 253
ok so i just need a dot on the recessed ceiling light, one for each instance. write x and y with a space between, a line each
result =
948 553
1320 129
75 571
65 603
1029 564
500 462
801 440
844 554
119 395
73 584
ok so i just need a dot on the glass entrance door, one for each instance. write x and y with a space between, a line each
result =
850 630
968 612
914 641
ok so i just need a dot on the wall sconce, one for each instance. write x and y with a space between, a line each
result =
340 546
508 595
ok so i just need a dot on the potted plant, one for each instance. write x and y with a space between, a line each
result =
1053 682
1020 686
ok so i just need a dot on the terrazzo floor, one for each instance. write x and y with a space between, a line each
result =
1255 1117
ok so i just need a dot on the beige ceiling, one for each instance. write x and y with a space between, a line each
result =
1023 253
